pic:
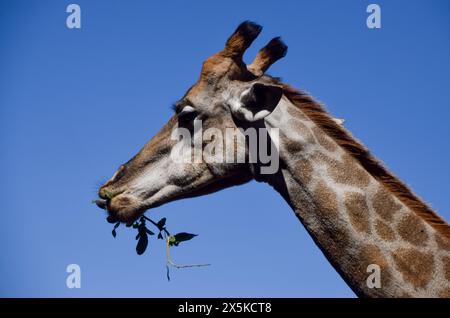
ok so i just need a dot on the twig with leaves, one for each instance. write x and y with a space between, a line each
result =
164 234
174 241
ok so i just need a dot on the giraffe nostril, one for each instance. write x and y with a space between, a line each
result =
106 194
102 193
110 189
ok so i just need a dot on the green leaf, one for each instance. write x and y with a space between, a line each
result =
142 229
114 233
142 244
161 224
181 237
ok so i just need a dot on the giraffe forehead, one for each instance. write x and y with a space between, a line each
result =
218 67
211 94
215 66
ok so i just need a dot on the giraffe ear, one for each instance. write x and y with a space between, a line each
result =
257 102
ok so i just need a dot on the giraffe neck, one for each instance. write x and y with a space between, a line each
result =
358 224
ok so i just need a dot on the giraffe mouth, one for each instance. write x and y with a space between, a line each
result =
103 204
121 208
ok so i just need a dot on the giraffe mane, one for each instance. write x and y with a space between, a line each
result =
317 113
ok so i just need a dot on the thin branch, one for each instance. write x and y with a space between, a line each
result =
156 224
170 261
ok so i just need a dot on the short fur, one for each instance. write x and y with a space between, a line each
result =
319 115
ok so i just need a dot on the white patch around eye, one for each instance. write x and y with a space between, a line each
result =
187 109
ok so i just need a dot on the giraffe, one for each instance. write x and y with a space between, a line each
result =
357 212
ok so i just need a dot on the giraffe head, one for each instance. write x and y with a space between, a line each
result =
228 95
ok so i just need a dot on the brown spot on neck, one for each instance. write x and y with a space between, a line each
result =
304 170
326 200
412 229
384 231
417 268
358 211
356 266
332 231
385 204
346 171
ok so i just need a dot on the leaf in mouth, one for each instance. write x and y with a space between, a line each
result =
108 194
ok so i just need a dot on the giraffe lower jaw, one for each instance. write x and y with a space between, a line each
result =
103 204
116 215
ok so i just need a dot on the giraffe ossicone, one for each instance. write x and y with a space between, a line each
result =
359 214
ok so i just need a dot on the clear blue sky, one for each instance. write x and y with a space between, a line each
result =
74 104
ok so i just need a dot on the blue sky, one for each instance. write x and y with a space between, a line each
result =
75 104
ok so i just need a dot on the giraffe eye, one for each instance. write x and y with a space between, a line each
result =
188 113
